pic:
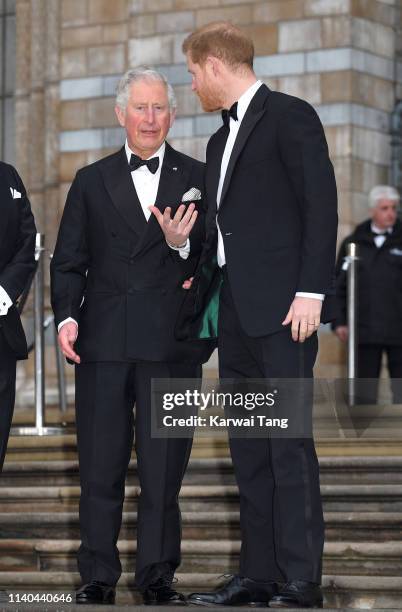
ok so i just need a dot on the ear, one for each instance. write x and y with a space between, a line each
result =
121 115
214 65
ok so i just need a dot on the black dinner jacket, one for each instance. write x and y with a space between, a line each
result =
277 214
114 273
17 253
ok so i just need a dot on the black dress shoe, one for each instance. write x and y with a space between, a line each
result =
96 592
298 594
238 591
160 593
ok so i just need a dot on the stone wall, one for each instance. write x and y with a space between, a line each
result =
340 55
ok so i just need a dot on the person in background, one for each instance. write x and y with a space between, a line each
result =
17 263
379 297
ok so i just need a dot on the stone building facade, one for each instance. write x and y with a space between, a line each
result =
340 55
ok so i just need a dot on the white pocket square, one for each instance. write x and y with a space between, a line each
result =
16 194
191 195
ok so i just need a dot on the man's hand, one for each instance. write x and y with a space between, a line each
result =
176 230
187 283
304 314
67 337
342 332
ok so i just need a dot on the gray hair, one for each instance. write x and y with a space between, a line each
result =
382 192
142 73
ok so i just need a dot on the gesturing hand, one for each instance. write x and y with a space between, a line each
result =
188 282
67 338
176 230
304 314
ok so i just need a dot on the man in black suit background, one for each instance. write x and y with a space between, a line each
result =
271 222
379 297
17 262
116 292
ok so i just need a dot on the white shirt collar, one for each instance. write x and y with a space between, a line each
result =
377 230
245 99
159 153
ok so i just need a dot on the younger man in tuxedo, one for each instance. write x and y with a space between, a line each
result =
116 293
17 262
271 225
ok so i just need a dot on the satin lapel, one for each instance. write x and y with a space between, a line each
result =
253 115
212 175
7 200
172 186
119 184
214 162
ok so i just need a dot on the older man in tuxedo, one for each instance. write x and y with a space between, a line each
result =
116 292
271 226
17 262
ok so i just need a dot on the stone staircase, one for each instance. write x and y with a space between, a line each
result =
361 482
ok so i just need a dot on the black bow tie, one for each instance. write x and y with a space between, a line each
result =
379 233
152 164
232 112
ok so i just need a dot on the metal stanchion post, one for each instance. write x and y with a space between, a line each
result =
352 258
39 334
39 428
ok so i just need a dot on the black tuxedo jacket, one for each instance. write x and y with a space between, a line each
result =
17 253
277 215
114 273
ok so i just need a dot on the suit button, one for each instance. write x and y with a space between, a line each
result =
131 260
131 291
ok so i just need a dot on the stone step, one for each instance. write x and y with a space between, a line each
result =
202 525
211 556
340 592
64 447
336 498
333 470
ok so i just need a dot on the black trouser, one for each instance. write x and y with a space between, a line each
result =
105 396
281 516
7 393
369 366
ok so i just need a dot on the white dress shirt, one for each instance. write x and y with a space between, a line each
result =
234 126
146 184
5 301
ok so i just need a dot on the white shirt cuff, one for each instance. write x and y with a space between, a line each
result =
68 320
316 296
184 251
5 301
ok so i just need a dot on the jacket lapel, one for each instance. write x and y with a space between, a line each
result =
214 162
253 115
119 184
7 201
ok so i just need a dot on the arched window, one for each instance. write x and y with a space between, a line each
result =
7 80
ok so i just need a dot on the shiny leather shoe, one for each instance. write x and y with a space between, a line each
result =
160 593
298 594
238 591
96 592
